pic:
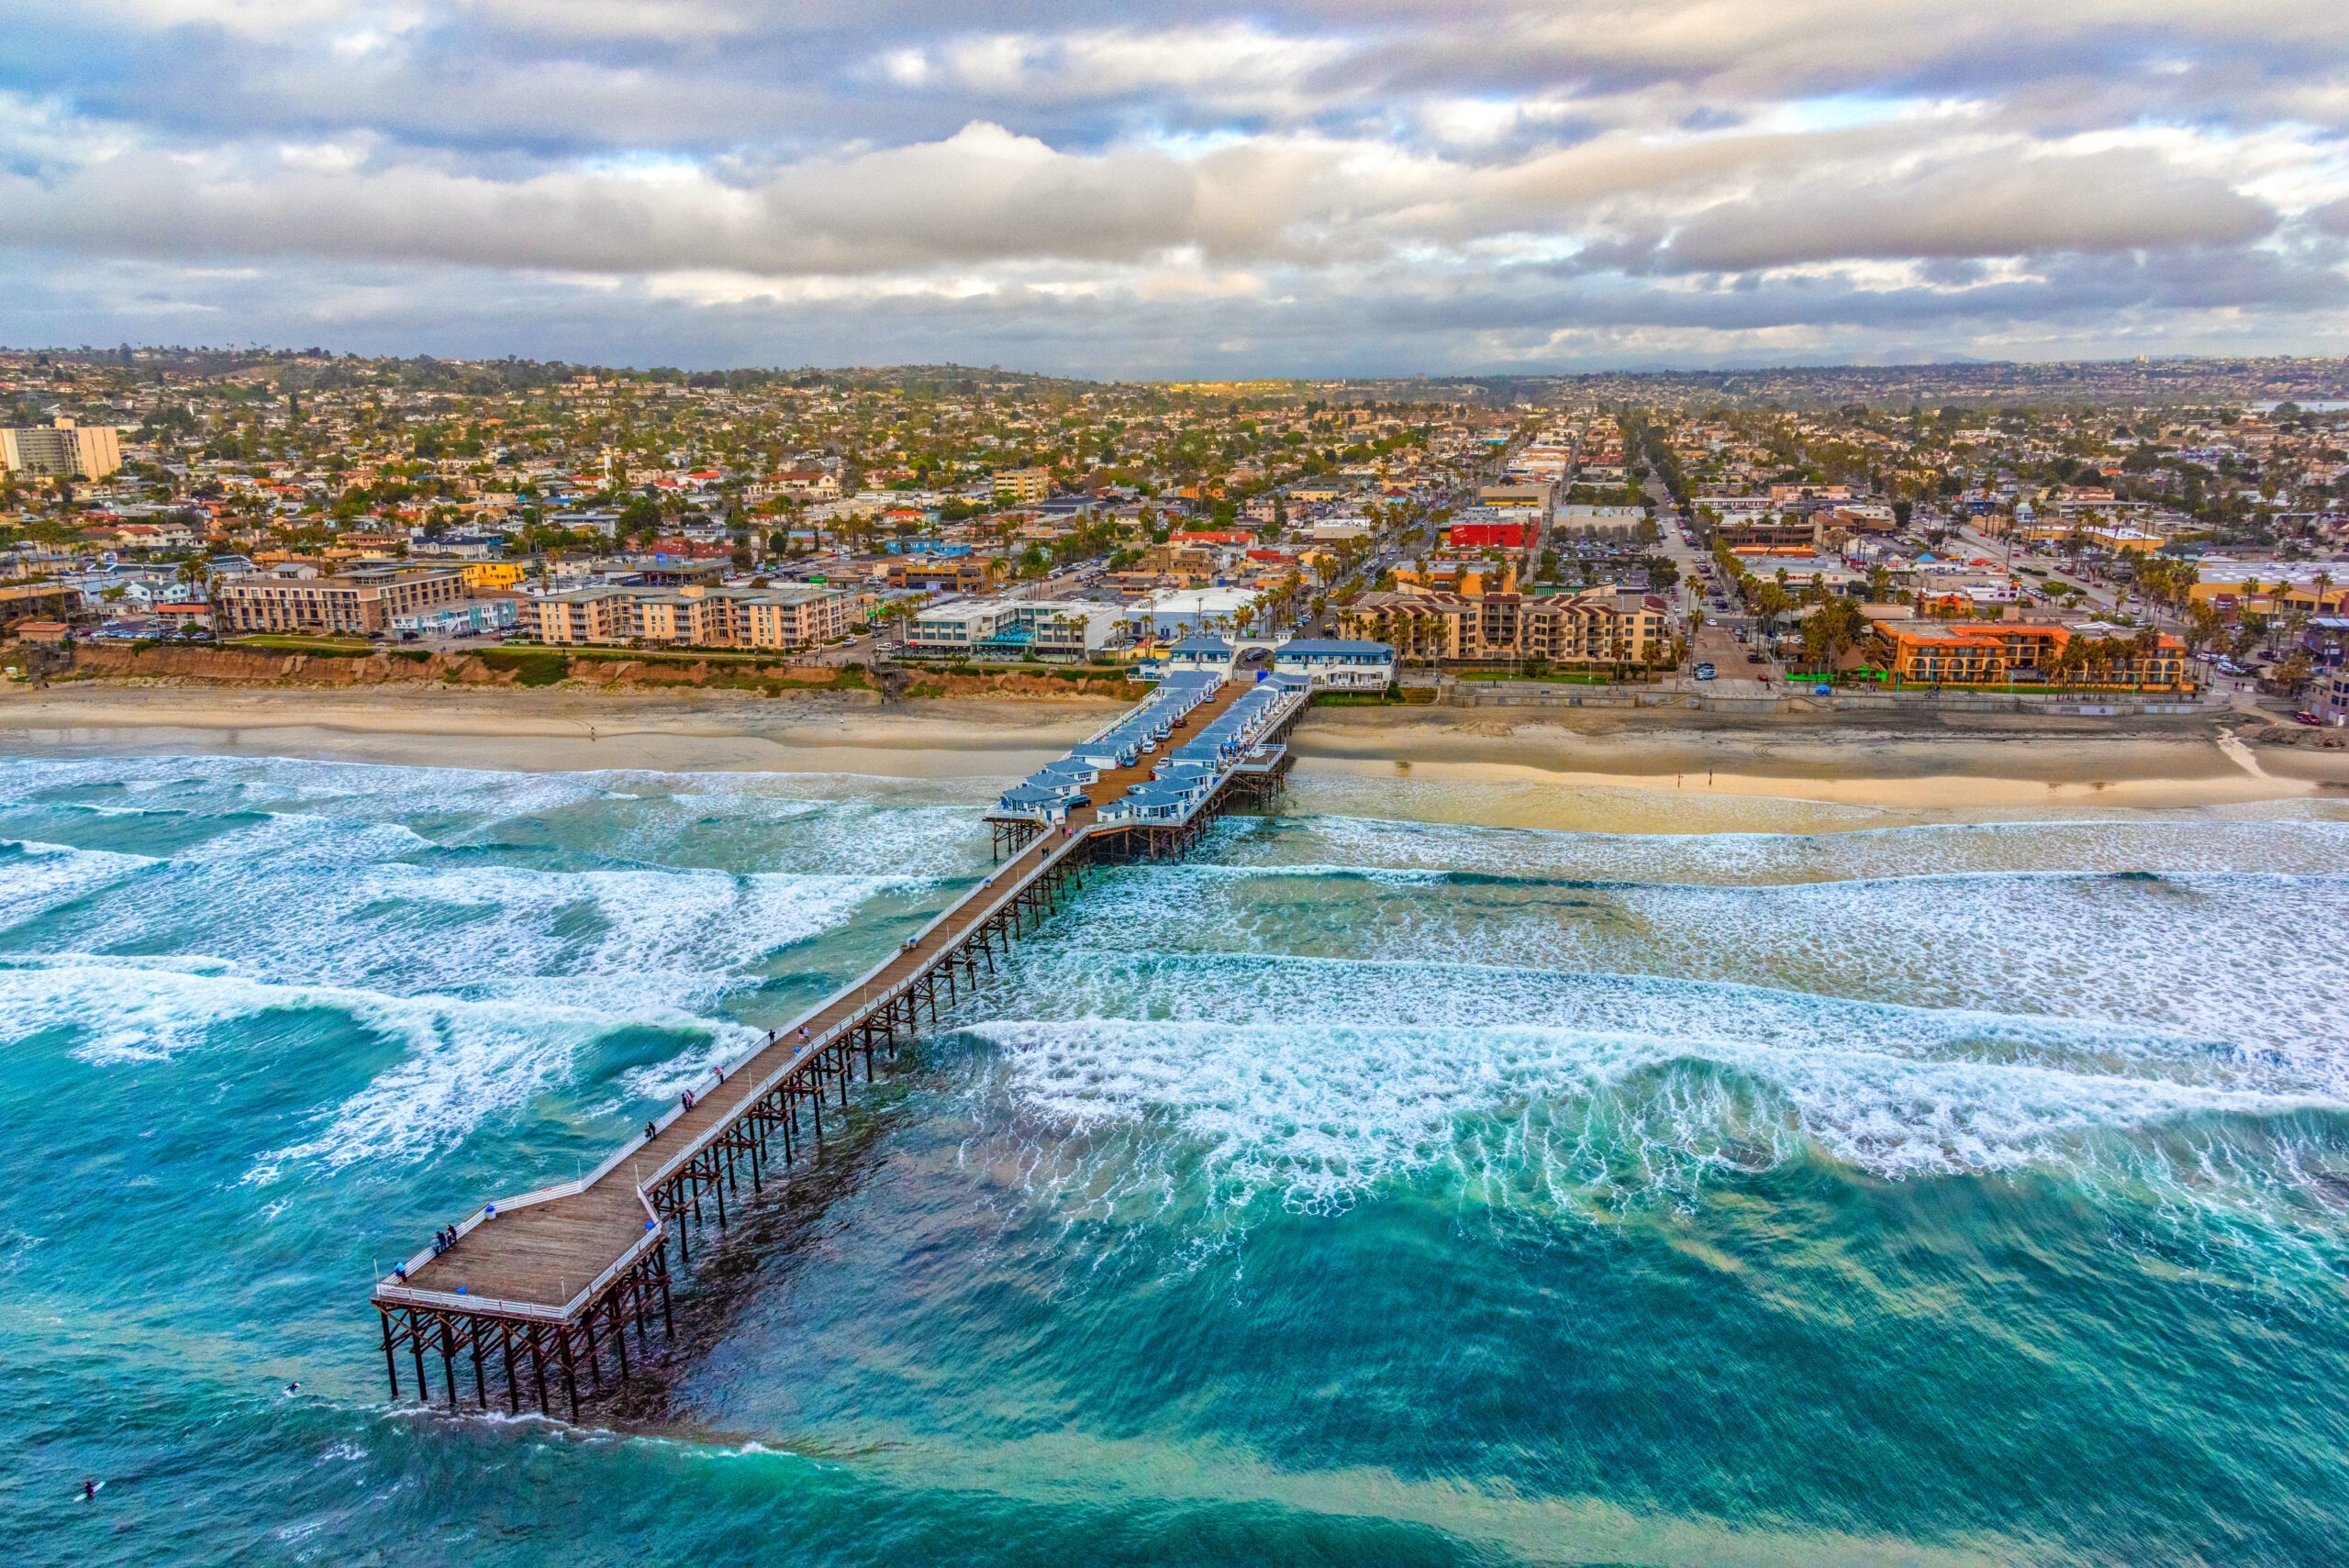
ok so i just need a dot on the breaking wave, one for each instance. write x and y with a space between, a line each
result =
462 1062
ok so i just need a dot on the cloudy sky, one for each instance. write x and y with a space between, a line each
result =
1373 187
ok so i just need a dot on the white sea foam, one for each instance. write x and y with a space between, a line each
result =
494 979
1390 996
471 929
463 1061
374 790
2238 956
222 784
291 810
1319 1113
35 877
319 891
1314 1080
2147 843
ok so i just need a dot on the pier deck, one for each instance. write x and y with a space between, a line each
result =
549 1257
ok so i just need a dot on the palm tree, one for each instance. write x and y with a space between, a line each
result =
2100 656
2066 661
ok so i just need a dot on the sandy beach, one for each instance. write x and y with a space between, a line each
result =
1629 771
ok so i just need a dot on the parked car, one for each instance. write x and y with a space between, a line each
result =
2304 717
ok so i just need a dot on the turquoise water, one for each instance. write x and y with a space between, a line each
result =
1363 1191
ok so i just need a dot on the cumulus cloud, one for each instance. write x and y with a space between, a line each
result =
1987 205
1441 184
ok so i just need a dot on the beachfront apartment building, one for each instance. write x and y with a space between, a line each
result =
466 617
21 602
695 616
961 625
1597 627
605 616
2084 653
1043 628
360 603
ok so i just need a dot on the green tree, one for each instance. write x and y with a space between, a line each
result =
1830 631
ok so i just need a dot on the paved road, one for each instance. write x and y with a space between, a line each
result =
2099 595
1736 677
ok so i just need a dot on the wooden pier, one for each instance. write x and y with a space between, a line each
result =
533 1303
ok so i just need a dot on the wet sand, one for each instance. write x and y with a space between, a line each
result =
1936 766
1641 771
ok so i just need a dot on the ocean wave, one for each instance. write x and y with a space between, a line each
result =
2196 952
2309 845
327 787
1136 1082
288 810
35 877
685 936
286 785
1319 1113
463 1061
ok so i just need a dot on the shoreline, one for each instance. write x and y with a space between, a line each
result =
1937 767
